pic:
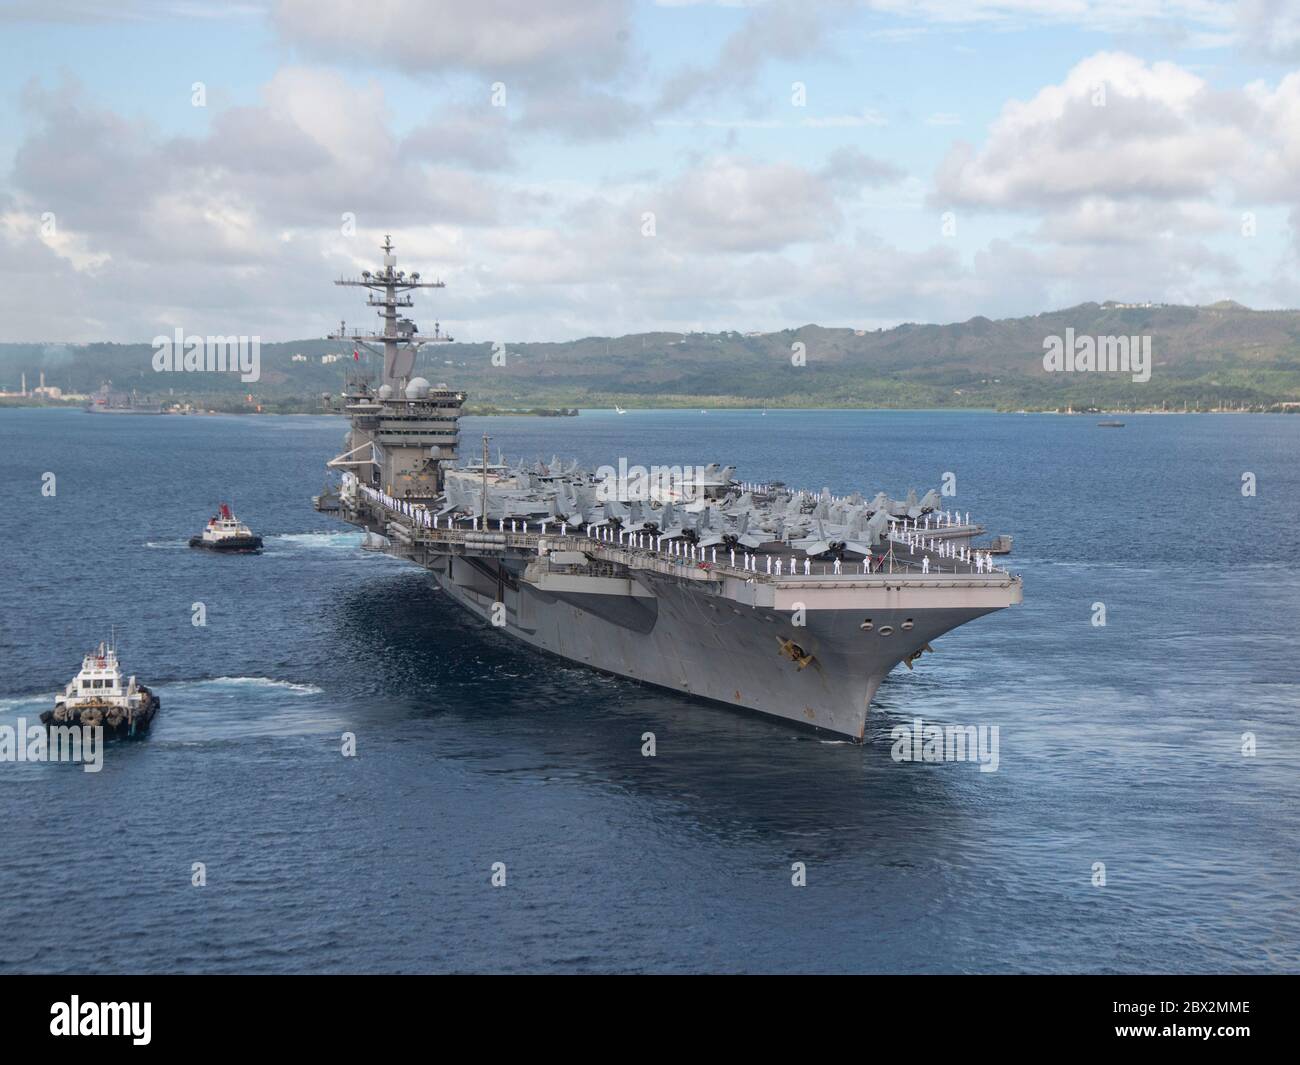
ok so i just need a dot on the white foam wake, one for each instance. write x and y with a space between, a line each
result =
252 682
27 702
319 539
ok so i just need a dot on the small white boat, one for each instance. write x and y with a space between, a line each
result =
225 532
100 695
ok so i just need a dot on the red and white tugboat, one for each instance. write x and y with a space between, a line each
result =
101 696
225 532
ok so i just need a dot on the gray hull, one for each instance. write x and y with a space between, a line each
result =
677 636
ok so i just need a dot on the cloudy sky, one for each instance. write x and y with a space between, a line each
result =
580 167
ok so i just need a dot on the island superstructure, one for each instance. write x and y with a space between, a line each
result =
753 594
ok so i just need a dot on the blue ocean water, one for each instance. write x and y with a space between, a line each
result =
1120 745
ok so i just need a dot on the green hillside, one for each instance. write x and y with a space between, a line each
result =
1203 356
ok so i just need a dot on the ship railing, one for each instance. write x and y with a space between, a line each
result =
673 555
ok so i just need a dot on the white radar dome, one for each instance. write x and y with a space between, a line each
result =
417 388
385 391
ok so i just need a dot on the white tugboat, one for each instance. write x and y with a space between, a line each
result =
101 695
225 532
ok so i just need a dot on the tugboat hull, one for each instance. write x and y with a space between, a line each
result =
117 722
230 545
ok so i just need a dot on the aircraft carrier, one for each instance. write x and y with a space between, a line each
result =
757 595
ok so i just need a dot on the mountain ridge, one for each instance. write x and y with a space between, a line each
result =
1222 352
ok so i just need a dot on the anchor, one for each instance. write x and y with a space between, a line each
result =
917 654
794 652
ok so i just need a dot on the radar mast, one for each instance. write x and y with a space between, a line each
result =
402 434
400 340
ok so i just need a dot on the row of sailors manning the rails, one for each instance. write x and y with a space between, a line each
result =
910 532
